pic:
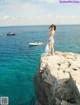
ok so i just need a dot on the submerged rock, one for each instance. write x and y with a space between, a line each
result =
57 80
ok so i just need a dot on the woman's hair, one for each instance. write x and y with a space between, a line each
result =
52 26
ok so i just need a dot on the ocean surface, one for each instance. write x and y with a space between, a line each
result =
19 62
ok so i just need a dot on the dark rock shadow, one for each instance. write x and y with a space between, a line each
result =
50 91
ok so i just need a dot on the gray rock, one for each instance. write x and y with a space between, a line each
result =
56 82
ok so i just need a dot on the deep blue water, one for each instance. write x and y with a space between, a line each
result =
18 61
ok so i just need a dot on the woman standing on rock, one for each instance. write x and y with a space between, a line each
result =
50 44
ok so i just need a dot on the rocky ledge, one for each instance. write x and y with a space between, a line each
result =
57 80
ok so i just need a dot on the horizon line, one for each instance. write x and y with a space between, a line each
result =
35 25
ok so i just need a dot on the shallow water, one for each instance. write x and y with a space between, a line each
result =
18 61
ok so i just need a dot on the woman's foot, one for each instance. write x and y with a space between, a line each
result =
48 54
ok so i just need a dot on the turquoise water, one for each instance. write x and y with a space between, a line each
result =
18 61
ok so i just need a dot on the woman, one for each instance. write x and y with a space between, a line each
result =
51 39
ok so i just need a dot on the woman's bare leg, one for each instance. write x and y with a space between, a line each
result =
49 49
52 48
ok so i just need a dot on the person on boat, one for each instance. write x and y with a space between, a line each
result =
52 29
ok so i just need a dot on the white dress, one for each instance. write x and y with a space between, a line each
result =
51 39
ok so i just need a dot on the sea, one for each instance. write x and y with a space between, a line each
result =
19 61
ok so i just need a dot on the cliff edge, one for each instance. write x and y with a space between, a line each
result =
57 80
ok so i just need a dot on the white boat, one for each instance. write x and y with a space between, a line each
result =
10 34
35 44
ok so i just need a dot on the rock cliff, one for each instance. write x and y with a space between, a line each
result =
57 80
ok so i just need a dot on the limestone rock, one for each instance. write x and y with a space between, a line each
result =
57 80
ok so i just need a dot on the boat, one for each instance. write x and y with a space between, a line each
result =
10 34
35 44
